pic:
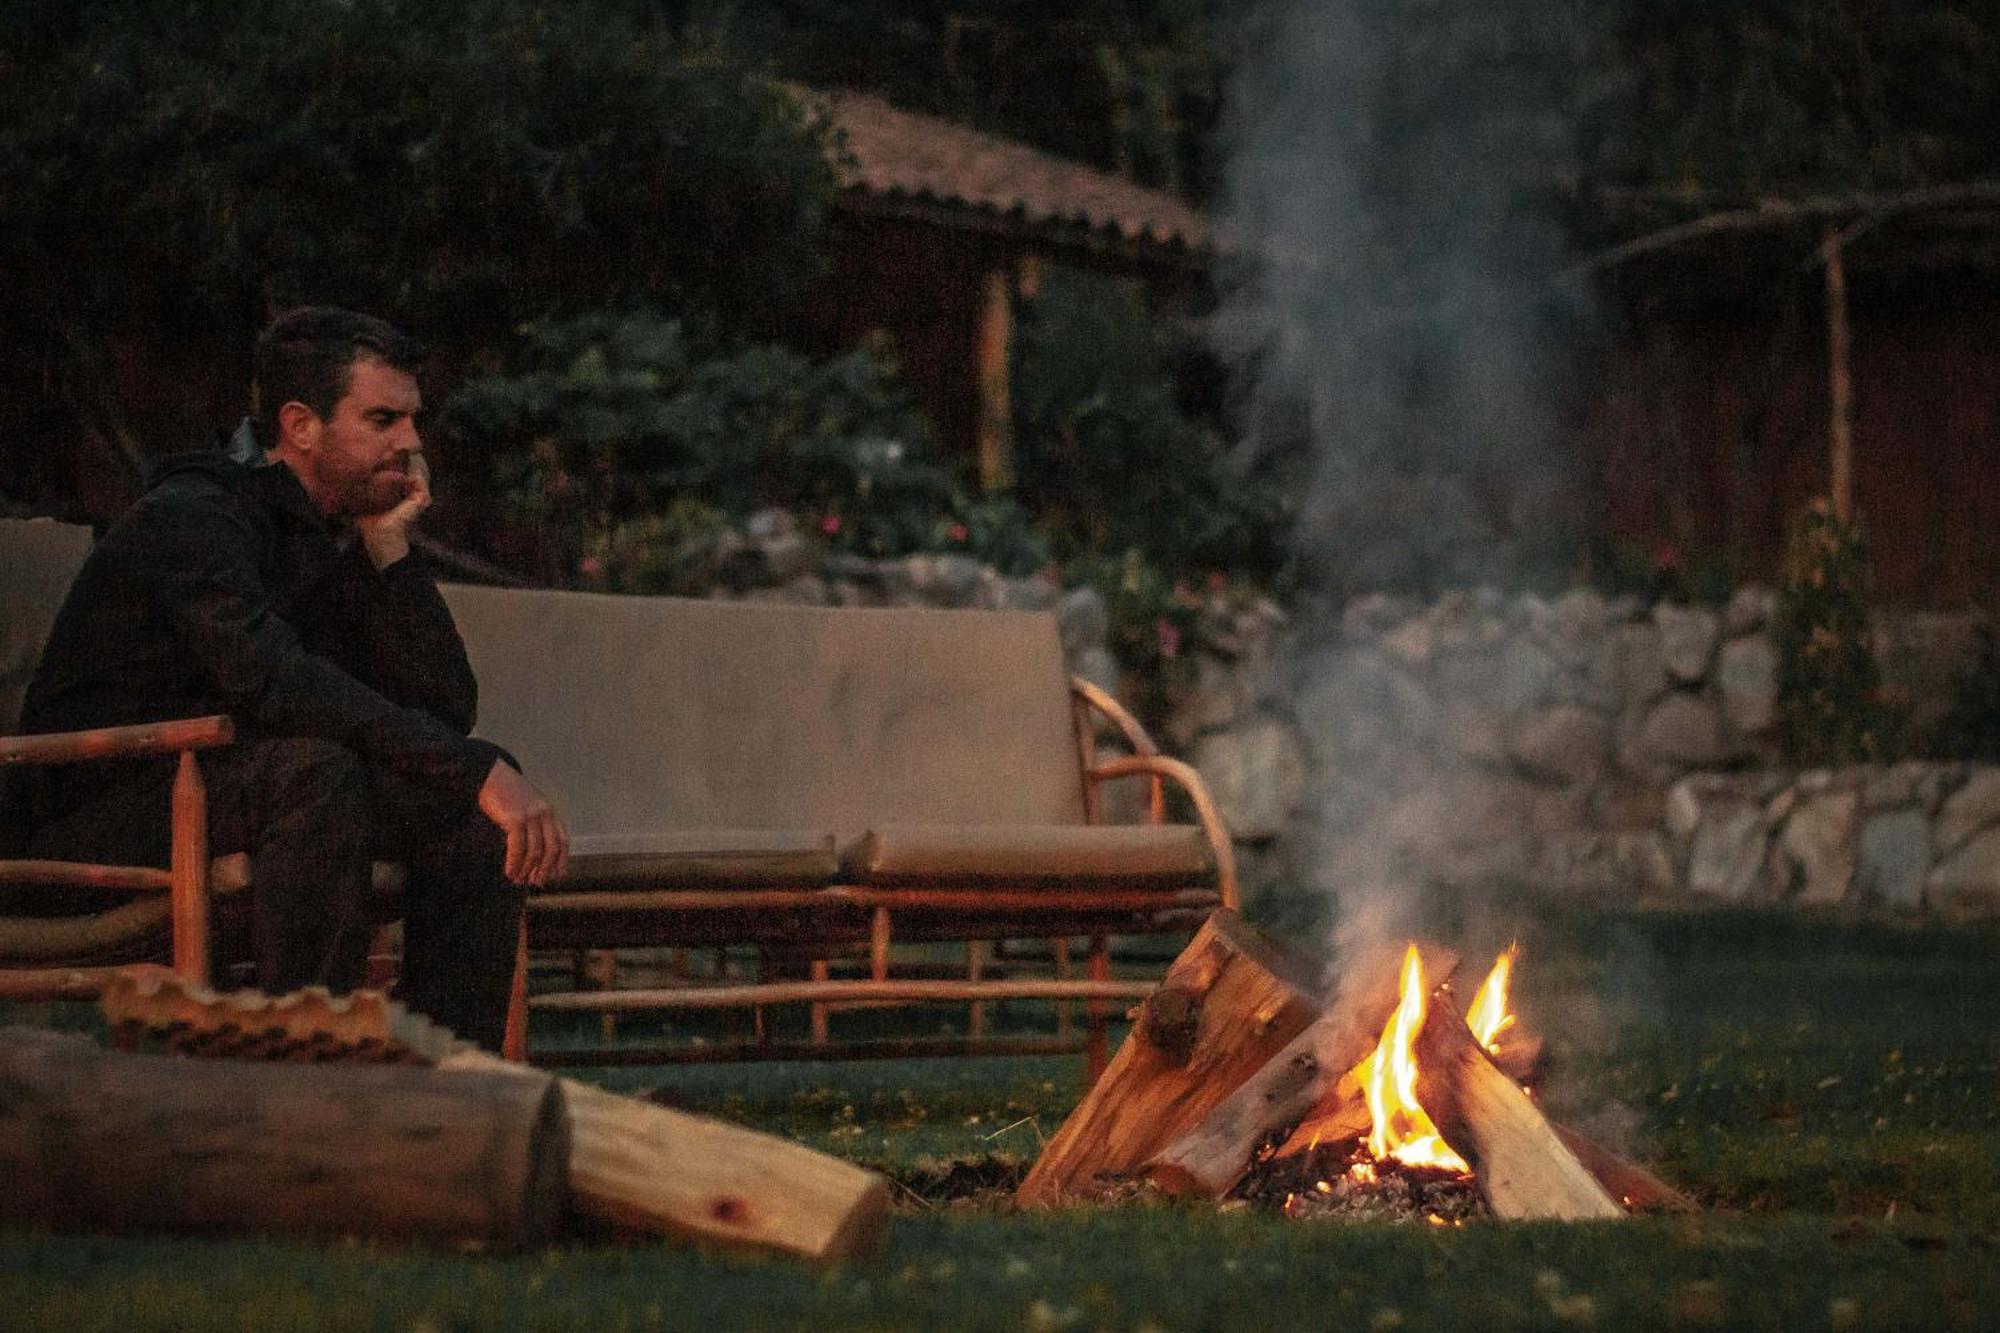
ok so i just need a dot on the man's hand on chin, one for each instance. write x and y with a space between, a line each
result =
386 536
537 841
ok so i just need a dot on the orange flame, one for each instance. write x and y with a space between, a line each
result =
1401 1128
1489 1015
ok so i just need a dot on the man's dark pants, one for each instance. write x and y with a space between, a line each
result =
313 817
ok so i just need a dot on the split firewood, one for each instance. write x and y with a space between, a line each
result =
1519 1160
631 1164
1231 1000
106 1141
1631 1184
1309 1077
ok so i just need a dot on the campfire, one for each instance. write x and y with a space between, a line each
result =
1235 1083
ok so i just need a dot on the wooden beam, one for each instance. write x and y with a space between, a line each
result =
188 868
996 394
136 879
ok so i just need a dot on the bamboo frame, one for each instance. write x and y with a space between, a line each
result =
821 991
1160 766
69 747
185 881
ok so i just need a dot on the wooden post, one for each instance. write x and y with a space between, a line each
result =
1228 1002
996 397
514 1041
1840 379
975 971
1097 1053
102 1141
878 944
1063 1007
188 871
820 972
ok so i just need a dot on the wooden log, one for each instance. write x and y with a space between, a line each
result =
648 1168
103 1141
1229 1002
629 1163
1520 1162
1638 1189
1310 1072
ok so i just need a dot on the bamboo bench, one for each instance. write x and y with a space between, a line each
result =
824 783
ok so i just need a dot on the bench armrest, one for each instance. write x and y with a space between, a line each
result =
68 747
1121 717
1158 766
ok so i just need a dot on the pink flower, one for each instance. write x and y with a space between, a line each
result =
959 532
591 566
830 525
1169 635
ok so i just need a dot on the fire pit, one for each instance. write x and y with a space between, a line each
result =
1235 1083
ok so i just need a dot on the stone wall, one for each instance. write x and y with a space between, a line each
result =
1577 745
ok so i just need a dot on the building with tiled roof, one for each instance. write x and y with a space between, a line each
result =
903 164
940 230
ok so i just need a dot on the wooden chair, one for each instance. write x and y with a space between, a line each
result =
166 915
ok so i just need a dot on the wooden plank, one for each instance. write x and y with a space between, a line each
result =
1520 1162
998 900
1228 1002
55 983
63 747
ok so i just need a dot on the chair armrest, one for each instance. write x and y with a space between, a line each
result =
1158 766
1128 726
68 747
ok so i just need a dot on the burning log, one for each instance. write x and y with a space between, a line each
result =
1229 1003
630 1164
1311 1076
97 1140
1522 1165
1631 1184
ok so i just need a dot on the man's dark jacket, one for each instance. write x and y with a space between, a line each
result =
224 591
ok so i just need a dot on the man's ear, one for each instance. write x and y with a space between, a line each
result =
298 426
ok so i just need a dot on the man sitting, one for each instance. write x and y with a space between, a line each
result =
281 588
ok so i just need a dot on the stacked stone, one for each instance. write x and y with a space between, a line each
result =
1905 837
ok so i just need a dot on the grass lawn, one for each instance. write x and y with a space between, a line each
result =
1830 1091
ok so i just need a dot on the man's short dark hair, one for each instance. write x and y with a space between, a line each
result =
307 355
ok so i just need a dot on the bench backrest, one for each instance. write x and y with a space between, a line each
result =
654 714
39 559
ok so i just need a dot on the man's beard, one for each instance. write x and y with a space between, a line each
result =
376 492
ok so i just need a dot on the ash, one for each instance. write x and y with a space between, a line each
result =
1341 1182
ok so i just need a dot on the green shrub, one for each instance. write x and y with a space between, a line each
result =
633 449
1106 457
1971 728
1831 705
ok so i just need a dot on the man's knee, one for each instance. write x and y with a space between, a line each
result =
312 788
